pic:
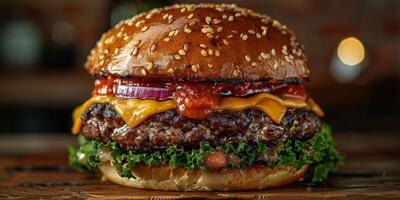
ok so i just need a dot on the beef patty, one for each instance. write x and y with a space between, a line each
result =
102 123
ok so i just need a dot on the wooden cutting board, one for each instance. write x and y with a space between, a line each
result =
36 168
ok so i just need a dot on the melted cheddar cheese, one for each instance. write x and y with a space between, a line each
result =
134 111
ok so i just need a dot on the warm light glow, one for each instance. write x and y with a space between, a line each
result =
351 51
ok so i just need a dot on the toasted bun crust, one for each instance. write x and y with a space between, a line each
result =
204 42
163 177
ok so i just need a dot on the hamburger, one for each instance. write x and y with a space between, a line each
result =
201 97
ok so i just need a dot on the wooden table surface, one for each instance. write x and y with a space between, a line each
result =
35 167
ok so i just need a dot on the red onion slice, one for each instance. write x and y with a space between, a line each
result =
139 92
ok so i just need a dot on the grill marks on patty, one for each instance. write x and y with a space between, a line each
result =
102 123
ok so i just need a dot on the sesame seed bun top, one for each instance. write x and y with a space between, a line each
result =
204 42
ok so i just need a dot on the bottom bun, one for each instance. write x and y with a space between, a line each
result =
163 177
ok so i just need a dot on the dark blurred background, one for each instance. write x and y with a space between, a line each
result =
353 47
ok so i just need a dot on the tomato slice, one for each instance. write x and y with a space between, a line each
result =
215 160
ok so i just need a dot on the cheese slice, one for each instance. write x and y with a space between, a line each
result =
134 111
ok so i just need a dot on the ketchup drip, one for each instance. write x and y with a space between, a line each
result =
196 101
103 87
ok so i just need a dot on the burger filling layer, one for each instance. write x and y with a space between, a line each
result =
201 126
102 123
319 152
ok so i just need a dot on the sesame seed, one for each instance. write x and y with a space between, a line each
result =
253 64
251 31
167 39
187 30
195 68
287 58
275 66
219 29
203 46
203 52
299 52
264 32
284 32
263 55
247 58
260 58
109 40
244 37
209 65
182 52
153 47
284 50
183 10
165 16
210 52
258 35
171 33
209 35
231 18
176 32
265 21
190 16
148 16
135 51
192 23
170 19
238 14
224 16
119 35
217 53
126 37
177 57
225 41
230 36
185 46
149 65
236 72
170 70
276 24
208 29
144 28
136 42
208 19
138 23
216 21
273 52
143 71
